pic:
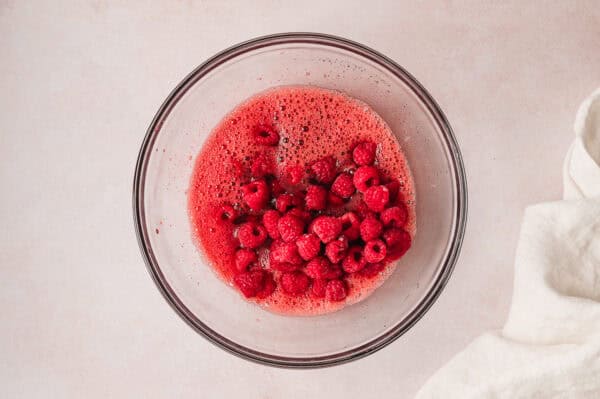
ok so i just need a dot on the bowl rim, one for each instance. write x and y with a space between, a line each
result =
459 217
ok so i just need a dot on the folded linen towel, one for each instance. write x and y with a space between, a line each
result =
550 344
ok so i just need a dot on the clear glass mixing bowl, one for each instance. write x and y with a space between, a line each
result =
165 163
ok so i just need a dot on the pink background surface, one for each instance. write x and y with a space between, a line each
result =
79 86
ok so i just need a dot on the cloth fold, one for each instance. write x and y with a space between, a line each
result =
550 344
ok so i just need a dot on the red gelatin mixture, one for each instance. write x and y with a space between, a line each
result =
312 202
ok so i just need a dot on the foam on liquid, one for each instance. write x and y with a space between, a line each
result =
312 123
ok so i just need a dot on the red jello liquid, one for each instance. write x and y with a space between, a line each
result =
312 123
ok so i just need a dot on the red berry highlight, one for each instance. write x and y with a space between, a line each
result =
256 194
252 235
364 153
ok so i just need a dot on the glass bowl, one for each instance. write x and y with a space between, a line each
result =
165 163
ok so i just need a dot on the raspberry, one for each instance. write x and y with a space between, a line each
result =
284 252
334 200
394 216
317 268
285 202
250 283
321 268
324 170
372 269
394 189
318 288
363 210
398 242
309 246
350 225
354 261
376 198
365 177
268 286
266 135
316 198
283 266
370 229
364 153
290 227
256 194
243 258
300 214
336 249
335 291
343 185
374 251
269 220
252 235
293 175
294 283
226 214
262 165
276 188
327 228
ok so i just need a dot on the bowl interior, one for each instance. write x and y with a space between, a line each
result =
217 310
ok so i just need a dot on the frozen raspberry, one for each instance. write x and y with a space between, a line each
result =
327 228
343 185
324 170
283 266
364 153
394 216
398 242
372 269
285 202
315 198
262 165
335 291
350 225
250 283
376 198
256 194
294 283
309 246
266 135
336 249
270 220
334 201
252 235
370 229
394 188
243 258
374 251
293 175
276 188
269 286
354 261
365 177
318 288
290 227
284 252
226 214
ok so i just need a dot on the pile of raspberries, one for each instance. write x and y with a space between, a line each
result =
319 224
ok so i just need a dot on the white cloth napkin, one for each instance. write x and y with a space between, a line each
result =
550 345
